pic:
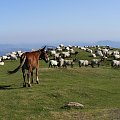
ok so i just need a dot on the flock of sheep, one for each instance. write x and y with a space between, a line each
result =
10 56
63 56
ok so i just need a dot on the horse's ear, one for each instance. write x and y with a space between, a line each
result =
43 48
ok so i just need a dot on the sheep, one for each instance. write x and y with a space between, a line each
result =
61 45
0 58
52 52
69 62
58 49
61 62
53 63
105 51
56 55
19 53
83 48
89 50
14 52
95 62
109 53
67 48
5 57
74 53
116 56
115 63
115 52
13 57
66 54
2 63
83 63
93 55
99 53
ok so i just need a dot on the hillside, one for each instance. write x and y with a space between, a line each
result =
98 89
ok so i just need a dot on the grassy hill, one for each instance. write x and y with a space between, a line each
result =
98 89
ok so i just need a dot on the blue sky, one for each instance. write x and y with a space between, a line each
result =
59 21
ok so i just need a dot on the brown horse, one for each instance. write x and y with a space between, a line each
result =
30 61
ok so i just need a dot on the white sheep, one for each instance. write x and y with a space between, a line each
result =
13 57
69 62
93 55
61 62
61 45
58 49
52 52
115 52
83 48
116 56
0 58
4 57
115 63
66 54
99 53
2 63
53 63
104 51
83 63
89 50
56 55
95 62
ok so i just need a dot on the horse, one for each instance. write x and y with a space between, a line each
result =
30 61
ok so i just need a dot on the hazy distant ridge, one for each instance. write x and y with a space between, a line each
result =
109 42
5 48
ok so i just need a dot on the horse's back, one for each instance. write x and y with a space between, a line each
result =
32 59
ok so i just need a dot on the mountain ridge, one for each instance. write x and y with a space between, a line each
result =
5 48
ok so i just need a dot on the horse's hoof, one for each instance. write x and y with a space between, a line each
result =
29 85
37 82
24 85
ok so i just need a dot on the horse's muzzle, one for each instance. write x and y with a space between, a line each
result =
47 60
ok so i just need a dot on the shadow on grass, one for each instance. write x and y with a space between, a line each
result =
5 87
9 87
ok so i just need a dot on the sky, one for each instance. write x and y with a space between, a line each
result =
59 21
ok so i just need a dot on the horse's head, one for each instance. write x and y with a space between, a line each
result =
44 55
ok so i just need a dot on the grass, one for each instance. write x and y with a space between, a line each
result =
98 89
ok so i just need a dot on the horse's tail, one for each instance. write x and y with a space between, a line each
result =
16 69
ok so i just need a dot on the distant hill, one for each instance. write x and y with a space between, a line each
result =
108 42
89 43
5 48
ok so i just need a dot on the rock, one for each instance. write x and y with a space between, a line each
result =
73 105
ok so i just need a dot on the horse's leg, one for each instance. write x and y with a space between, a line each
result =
28 77
32 80
37 79
24 76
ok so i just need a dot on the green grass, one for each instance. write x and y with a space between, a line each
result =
98 89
